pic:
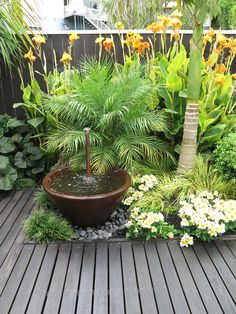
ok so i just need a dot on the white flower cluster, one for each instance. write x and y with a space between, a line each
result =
145 183
206 212
144 220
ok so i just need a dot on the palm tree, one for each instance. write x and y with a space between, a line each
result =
14 32
115 107
199 10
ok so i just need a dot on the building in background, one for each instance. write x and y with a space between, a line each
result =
58 15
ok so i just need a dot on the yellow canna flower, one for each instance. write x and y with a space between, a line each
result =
73 37
234 76
209 63
99 40
130 33
155 27
119 26
220 79
211 32
39 40
207 39
66 58
30 56
175 34
176 14
165 20
220 68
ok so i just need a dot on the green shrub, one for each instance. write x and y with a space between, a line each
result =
42 200
45 226
225 157
20 158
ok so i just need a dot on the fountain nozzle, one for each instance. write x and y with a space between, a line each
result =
87 146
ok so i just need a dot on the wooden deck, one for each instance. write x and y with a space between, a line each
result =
121 277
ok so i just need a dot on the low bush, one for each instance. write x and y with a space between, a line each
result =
225 157
44 226
20 158
206 216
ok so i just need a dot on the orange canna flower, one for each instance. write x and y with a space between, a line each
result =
220 79
176 23
219 50
234 76
142 47
209 63
175 35
119 26
154 27
99 40
66 58
220 68
108 44
73 37
30 56
39 40
221 39
130 33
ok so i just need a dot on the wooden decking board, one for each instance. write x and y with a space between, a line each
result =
223 269
129 277
27 284
14 280
116 295
40 289
131 290
58 278
174 286
215 280
69 297
85 292
191 292
12 229
210 301
163 300
100 301
147 297
227 255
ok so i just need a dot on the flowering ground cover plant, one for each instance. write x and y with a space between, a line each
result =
206 216
144 223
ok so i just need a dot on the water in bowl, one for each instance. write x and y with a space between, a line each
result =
78 184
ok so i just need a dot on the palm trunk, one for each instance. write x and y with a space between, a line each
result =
188 151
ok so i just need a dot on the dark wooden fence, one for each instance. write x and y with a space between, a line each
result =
10 82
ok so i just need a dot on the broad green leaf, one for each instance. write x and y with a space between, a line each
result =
6 145
4 163
27 94
36 121
13 123
7 180
214 133
164 66
173 82
20 161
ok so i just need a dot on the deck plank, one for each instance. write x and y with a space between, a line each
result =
159 284
147 297
69 297
194 300
27 284
216 282
15 278
85 292
227 255
100 302
131 290
39 292
173 283
116 300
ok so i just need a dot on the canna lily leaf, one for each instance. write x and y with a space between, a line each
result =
173 82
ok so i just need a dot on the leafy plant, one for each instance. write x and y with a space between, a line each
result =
225 157
45 226
20 157
42 199
115 107
145 223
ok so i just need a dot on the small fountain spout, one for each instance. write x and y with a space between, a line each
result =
87 146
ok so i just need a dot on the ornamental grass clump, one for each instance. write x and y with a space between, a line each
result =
144 223
206 216
44 226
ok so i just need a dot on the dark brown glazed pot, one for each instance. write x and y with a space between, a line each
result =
86 210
